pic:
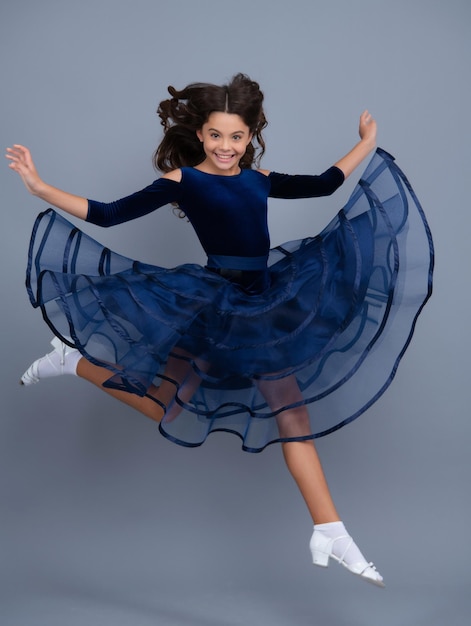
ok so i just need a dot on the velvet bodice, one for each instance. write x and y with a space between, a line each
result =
228 213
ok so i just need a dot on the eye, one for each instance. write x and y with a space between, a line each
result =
214 135
236 137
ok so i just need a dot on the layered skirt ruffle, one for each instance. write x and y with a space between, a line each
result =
327 334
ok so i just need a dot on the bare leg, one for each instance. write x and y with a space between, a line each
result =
178 370
301 457
98 375
304 464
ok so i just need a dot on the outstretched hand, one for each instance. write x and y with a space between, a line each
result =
356 155
368 127
22 163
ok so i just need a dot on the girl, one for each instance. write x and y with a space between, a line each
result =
270 345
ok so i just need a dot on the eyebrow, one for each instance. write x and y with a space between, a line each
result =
235 132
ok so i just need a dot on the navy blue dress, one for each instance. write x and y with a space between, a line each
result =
321 322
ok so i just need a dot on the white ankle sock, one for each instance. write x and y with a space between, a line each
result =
55 363
71 360
341 548
62 360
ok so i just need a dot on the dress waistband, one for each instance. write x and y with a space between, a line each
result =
246 263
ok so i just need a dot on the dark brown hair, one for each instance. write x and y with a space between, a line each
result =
187 110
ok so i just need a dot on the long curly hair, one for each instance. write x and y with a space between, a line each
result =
187 110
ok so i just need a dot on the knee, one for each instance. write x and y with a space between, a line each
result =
294 423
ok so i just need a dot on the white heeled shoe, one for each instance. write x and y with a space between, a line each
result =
322 548
52 364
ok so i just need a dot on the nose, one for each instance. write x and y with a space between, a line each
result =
225 145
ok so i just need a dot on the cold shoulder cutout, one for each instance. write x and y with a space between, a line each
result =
175 175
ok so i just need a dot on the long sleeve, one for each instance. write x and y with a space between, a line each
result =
305 186
161 192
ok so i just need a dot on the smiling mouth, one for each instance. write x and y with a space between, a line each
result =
224 157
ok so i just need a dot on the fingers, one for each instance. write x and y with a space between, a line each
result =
22 163
368 126
13 156
17 152
19 157
366 117
18 147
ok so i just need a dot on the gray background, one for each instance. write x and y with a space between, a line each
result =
102 520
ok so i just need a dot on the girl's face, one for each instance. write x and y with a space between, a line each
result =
225 137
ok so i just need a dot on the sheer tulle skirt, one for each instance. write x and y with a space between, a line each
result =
328 333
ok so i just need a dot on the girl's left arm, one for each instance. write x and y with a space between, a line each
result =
367 143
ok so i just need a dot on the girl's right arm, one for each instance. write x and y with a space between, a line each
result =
22 163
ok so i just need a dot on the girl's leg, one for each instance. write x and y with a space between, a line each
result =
330 539
98 375
301 457
152 405
178 371
305 467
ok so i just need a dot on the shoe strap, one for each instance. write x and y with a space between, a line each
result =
349 545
